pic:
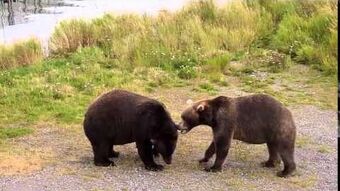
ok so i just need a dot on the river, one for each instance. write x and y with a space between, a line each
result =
22 19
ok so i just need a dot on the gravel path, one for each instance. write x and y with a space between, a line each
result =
70 166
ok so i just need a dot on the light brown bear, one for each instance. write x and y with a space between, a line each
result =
254 119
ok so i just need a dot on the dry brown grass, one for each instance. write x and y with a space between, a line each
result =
10 165
22 160
20 53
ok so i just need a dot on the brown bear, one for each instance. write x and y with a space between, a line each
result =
120 117
254 119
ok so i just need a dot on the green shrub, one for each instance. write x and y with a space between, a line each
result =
309 35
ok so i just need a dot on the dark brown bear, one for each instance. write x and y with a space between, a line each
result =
120 117
255 119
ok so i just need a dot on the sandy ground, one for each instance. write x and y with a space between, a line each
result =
56 157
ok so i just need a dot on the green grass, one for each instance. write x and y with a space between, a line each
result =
7 133
60 89
206 87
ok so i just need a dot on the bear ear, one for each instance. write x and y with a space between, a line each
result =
189 102
200 108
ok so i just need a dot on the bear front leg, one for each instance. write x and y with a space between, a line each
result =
208 153
222 150
222 140
146 154
155 152
113 153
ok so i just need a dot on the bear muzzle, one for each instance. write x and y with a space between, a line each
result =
182 127
167 159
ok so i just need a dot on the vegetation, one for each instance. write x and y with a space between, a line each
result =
305 31
256 45
21 53
13 132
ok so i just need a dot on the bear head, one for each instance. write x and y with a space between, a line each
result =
199 113
165 141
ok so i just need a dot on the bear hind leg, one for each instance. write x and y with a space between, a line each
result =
273 156
101 155
287 155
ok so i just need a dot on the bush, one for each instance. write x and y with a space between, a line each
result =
308 34
20 54
69 35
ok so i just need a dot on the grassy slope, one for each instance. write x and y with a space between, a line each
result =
60 89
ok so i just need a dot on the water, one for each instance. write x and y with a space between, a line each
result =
37 18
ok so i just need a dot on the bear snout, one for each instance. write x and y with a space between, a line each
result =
182 127
167 159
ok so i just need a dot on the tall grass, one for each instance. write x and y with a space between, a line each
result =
20 53
71 35
196 36
182 41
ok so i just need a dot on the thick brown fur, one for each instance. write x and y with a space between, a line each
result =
254 119
120 117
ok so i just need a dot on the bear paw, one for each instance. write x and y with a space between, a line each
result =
104 163
155 167
281 174
213 169
155 153
114 154
270 164
284 174
203 160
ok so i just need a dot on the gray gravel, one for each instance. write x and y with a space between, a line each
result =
72 168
